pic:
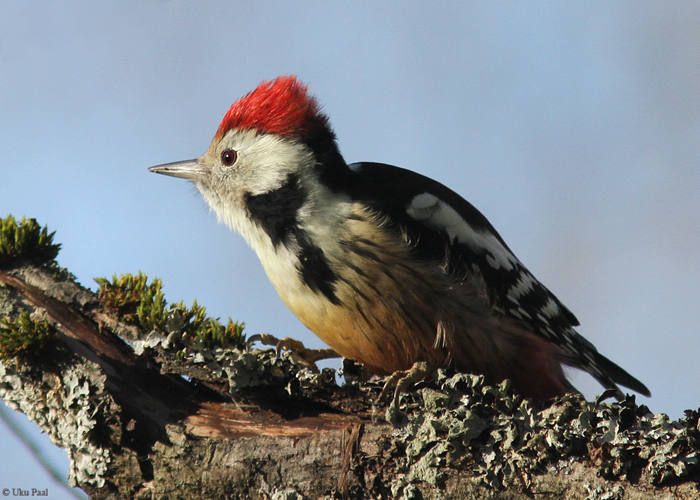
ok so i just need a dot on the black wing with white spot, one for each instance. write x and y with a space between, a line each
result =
443 225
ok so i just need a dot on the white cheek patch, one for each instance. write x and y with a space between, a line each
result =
265 165
437 214
264 161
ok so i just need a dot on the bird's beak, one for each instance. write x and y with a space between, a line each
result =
188 169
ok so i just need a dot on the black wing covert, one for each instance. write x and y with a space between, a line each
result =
444 226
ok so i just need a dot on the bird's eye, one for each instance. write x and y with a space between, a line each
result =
228 157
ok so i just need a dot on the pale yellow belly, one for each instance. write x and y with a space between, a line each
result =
386 317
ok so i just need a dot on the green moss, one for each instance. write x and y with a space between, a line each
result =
23 335
214 334
151 311
123 294
142 304
193 318
26 240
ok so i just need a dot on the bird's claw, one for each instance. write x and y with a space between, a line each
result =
402 380
297 351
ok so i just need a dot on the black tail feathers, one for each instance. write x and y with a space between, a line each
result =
613 375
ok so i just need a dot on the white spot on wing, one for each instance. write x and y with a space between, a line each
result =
422 206
522 287
523 312
439 215
551 309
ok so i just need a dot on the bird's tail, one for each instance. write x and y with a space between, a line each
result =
610 374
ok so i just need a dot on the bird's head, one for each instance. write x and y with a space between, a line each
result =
274 132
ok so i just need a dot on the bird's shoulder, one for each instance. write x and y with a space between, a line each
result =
444 227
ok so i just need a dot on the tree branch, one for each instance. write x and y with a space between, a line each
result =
183 420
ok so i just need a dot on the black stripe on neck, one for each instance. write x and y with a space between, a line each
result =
314 269
277 211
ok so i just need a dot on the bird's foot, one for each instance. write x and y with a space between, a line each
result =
402 380
296 349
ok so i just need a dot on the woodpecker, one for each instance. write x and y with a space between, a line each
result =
386 266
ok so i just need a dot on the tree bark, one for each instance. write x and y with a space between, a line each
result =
195 422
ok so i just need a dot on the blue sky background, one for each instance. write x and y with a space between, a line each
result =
573 126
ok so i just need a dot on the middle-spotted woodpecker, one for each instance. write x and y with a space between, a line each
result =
386 266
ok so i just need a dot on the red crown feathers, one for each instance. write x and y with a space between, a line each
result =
281 106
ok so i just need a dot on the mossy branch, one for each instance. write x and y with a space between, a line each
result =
142 304
158 400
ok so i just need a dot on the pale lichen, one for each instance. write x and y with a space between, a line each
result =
502 440
70 404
